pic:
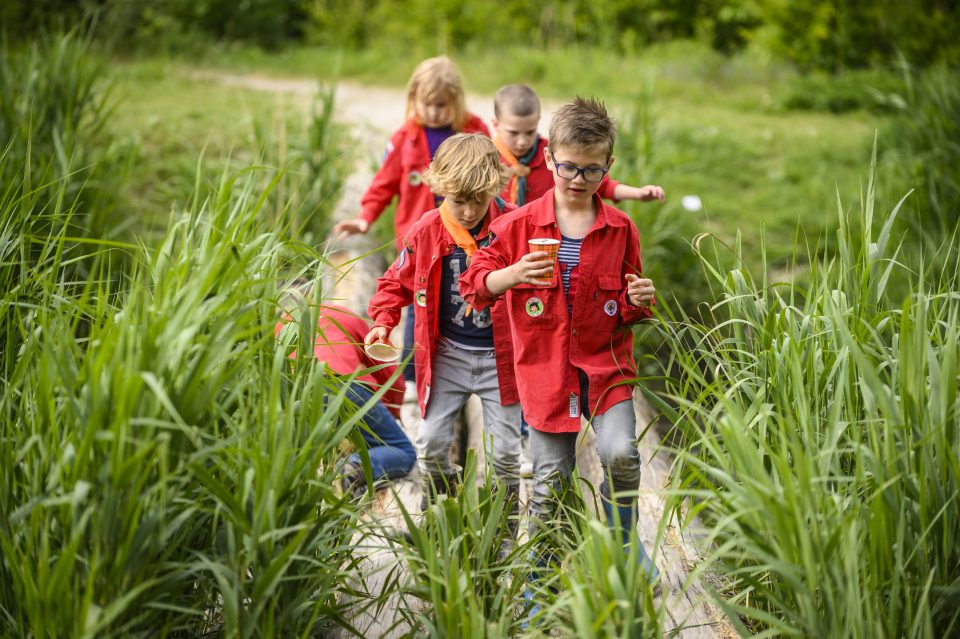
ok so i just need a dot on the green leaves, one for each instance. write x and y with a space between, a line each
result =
821 450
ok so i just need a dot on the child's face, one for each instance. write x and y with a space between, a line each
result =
518 132
434 110
578 188
468 213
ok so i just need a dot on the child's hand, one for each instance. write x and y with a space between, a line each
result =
533 266
376 334
652 192
640 290
347 228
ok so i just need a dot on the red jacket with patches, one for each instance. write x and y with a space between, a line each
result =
339 343
408 155
540 179
415 277
550 344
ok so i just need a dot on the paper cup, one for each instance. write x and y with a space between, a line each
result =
549 246
382 352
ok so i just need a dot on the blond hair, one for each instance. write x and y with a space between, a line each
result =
583 125
467 166
516 99
438 76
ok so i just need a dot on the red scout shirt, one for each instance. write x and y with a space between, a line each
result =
550 344
339 343
415 277
540 179
408 155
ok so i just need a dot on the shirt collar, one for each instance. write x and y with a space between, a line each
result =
545 214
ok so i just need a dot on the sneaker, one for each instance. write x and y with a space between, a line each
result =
353 483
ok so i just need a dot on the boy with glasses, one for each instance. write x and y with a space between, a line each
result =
516 110
571 354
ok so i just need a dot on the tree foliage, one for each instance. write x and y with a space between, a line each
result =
815 34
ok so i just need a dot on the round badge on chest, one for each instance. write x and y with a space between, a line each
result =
610 308
534 307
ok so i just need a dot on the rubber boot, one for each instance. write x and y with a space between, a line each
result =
541 562
434 485
624 518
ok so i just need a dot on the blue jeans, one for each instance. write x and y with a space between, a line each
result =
392 454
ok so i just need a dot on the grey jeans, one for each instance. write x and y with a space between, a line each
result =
555 455
457 374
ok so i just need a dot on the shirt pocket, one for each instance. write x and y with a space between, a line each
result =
534 309
607 297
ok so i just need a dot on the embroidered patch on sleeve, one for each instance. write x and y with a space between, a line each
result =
402 259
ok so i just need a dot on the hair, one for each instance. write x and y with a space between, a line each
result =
516 99
583 125
438 76
468 166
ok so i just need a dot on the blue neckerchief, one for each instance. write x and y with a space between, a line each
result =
522 181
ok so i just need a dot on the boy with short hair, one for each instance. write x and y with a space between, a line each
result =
459 350
516 109
570 355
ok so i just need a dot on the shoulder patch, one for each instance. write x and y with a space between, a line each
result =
402 259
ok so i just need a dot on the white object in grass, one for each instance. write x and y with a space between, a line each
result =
691 202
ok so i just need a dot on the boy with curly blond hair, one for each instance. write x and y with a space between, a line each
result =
458 350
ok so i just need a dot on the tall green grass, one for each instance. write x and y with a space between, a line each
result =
165 471
821 439
55 108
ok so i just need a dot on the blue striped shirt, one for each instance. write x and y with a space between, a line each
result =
569 257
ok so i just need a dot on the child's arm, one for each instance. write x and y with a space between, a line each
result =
384 187
493 271
526 270
613 190
394 292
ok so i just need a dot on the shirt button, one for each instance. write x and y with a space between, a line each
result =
574 331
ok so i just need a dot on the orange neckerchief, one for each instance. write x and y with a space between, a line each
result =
519 169
460 235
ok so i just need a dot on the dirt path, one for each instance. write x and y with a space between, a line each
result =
373 113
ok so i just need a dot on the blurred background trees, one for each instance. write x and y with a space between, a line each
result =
830 35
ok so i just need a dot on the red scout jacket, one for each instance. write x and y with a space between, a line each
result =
415 277
339 343
549 344
540 179
408 155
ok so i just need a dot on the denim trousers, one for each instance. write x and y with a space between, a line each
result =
391 452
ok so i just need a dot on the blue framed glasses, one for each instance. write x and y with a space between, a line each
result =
571 171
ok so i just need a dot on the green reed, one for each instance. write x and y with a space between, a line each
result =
821 440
